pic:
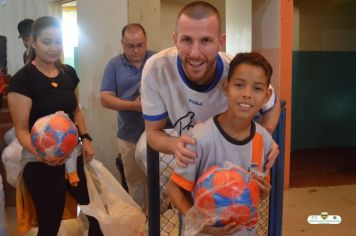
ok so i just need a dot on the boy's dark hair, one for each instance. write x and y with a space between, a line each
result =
251 58
132 26
199 10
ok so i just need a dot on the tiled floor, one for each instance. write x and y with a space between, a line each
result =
299 203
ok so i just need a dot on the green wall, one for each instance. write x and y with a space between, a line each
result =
324 99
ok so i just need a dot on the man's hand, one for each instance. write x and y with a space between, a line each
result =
272 156
137 104
182 154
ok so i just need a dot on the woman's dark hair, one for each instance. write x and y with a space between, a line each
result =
37 27
251 58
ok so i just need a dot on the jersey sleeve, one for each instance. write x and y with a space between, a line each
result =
185 177
270 103
153 107
267 144
108 83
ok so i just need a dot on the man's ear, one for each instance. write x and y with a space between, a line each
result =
175 38
222 41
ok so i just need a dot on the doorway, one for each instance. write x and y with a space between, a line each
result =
323 114
70 33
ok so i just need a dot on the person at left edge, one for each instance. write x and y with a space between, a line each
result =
25 29
42 87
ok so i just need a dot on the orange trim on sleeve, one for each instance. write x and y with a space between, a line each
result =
257 150
257 153
182 182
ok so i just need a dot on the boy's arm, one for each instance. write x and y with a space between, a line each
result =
180 198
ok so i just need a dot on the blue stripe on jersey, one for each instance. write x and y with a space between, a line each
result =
219 73
156 117
262 112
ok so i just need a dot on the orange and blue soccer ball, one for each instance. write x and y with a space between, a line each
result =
54 135
228 195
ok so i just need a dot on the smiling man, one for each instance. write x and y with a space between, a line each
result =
184 83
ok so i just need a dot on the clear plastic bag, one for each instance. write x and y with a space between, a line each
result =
116 211
11 157
223 195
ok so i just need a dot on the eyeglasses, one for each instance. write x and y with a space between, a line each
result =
133 46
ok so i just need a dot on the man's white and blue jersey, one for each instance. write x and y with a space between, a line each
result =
166 93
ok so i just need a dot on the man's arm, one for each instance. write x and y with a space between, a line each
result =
270 119
162 142
109 100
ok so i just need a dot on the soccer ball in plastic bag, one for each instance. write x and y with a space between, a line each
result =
54 135
227 195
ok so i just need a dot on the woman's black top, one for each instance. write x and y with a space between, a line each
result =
46 97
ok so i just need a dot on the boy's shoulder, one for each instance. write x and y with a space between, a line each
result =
261 130
202 129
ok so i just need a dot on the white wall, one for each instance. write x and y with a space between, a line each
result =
266 24
100 25
266 34
10 15
147 13
238 26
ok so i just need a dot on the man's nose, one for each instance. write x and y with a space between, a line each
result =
195 50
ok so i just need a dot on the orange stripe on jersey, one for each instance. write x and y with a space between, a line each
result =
257 152
257 149
182 182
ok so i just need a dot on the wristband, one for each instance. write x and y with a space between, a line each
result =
86 136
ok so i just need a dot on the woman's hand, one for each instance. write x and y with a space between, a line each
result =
88 151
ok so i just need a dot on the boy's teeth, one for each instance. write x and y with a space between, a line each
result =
245 105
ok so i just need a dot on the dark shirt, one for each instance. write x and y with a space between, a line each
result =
46 99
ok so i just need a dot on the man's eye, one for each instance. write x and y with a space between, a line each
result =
206 41
186 40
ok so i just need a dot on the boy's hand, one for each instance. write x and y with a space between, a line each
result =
182 154
272 156
228 229
263 185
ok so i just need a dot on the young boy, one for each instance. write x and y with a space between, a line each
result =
230 136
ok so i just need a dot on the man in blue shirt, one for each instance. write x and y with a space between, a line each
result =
120 91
